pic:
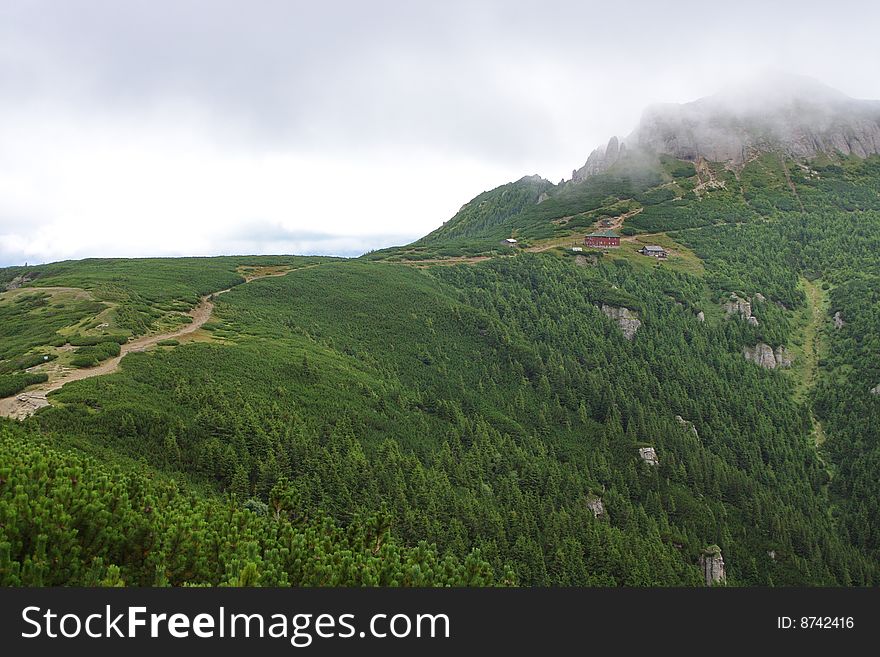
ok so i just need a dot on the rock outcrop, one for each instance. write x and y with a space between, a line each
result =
875 390
782 357
763 354
712 565
741 307
595 504
701 317
649 456
18 282
687 424
838 320
794 115
600 160
628 320
23 405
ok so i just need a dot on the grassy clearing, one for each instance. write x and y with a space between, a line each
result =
810 348
32 318
680 257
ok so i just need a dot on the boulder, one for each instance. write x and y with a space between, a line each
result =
763 354
649 456
701 317
742 308
627 320
875 390
738 306
838 320
596 505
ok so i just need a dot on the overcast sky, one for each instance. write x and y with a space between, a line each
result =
199 127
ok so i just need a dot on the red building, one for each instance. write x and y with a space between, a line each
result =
602 240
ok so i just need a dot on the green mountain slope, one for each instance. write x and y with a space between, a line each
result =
479 420
487 406
491 213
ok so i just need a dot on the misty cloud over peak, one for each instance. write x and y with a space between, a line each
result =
794 114
771 91
133 127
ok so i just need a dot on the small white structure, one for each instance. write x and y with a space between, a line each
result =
577 249
510 241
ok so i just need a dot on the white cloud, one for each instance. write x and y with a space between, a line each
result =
132 128
162 184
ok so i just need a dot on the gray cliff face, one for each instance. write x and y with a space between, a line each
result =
600 160
712 565
628 320
793 115
763 354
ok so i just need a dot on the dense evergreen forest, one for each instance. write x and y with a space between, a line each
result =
370 422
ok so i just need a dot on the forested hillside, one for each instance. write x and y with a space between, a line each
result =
481 422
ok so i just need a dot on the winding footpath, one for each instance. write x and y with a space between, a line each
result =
28 402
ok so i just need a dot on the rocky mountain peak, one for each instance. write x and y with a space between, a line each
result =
797 116
794 115
600 160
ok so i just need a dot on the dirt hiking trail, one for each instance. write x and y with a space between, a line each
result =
28 402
